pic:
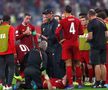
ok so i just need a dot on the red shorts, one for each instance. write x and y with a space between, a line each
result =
70 51
84 56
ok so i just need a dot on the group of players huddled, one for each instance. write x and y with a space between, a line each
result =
70 51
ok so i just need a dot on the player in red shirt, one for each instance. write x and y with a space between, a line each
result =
84 50
25 32
7 53
21 50
71 27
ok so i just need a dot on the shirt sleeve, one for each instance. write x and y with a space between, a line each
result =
80 29
90 27
35 37
57 32
12 38
54 26
19 34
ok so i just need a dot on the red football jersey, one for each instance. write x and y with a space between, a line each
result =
26 39
71 27
56 83
21 51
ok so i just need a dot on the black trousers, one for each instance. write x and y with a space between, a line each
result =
32 74
55 67
6 68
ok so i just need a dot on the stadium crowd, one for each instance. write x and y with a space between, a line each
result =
70 50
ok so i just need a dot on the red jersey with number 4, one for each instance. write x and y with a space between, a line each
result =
71 27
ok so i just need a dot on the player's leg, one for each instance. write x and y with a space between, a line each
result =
106 66
2 70
103 74
10 71
68 64
78 68
66 56
90 72
95 60
28 79
36 80
106 76
89 66
103 67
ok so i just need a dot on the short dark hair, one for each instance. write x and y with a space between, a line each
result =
106 11
68 9
91 12
48 11
98 10
83 15
6 18
102 15
27 14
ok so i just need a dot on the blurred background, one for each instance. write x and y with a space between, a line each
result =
17 8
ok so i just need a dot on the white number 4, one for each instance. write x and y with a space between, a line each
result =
72 28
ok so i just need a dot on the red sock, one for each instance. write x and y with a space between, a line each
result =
22 74
69 75
90 74
79 75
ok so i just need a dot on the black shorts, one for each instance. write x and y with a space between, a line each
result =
97 56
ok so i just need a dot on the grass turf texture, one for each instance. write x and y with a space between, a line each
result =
89 88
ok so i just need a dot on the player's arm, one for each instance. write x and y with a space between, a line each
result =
57 32
19 35
41 36
47 80
53 36
90 36
106 32
80 29
12 38
34 36
90 31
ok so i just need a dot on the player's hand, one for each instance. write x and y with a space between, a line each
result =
42 36
61 41
27 32
49 85
15 55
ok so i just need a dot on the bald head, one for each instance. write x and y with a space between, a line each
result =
43 45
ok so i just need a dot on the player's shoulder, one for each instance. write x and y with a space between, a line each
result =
76 19
63 20
31 25
19 26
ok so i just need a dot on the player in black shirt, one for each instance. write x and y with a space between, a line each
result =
97 39
35 64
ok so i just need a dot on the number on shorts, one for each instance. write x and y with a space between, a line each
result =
72 28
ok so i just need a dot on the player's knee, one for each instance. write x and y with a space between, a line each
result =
68 62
